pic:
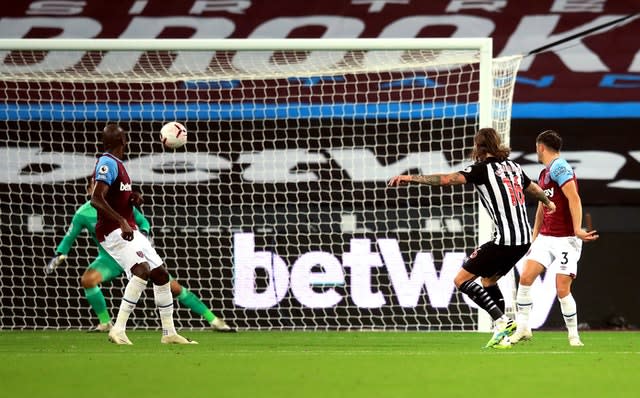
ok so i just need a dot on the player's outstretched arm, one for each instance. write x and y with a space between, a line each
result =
432 179
570 190
77 225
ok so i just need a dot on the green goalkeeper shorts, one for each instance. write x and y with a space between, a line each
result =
107 267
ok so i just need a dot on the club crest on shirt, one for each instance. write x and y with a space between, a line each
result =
140 254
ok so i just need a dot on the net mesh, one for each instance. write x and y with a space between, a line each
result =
276 212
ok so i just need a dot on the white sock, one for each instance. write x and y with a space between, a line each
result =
132 293
570 314
164 302
523 306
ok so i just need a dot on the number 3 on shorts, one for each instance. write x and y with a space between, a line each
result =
564 258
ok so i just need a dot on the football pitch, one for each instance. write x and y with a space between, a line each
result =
317 364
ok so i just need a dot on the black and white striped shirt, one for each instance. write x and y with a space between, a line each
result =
501 186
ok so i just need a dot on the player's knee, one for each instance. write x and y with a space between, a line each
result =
141 270
90 279
459 280
159 276
491 281
526 280
563 291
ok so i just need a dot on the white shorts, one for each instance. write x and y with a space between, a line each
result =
128 253
561 251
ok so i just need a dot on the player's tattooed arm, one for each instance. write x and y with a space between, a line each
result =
432 179
537 192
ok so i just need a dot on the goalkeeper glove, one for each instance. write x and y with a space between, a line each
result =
54 262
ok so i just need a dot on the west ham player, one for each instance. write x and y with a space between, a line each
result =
557 236
117 232
104 269
500 183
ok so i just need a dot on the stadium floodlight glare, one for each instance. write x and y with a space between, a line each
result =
276 211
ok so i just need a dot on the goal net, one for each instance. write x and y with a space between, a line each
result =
277 211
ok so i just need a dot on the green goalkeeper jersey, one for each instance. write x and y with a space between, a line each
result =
86 217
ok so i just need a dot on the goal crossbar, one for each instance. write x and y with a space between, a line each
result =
481 44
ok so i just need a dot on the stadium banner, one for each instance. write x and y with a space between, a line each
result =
603 153
586 78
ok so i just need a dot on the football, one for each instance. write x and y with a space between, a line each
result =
173 135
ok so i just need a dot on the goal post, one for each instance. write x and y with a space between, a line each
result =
277 211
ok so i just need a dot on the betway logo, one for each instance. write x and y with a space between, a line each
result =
548 193
360 260
317 269
125 187
27 165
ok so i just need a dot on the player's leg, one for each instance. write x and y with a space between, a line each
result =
502 328
568 307
464 281
539 257
524 302
164 302
503 325
103 269
125 253
193 302
505 259
92 292
483 262
161 290
493 290
568 254
480 263
138 275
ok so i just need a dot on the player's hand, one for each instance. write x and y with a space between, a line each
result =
398 181
587 236
127 231
551 208
54 262
135 199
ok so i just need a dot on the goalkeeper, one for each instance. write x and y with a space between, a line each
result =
104 269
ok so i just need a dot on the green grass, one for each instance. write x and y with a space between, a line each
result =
317 364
